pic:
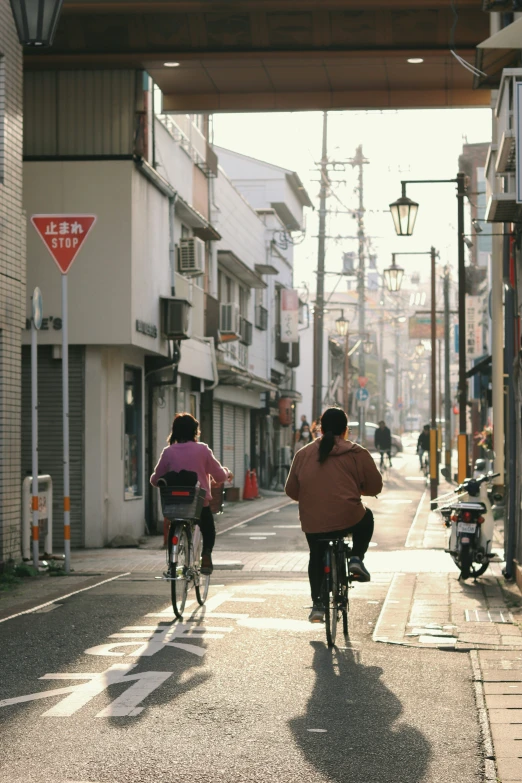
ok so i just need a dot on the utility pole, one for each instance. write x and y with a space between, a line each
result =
359 160
382 375
447 384
317 404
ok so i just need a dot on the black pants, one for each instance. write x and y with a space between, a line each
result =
208 529
361 533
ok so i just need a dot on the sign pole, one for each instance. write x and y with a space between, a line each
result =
65 404
34 441
63 236
36 322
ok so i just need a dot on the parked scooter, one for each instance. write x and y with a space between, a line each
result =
469 517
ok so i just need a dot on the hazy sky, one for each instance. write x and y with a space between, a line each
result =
413 144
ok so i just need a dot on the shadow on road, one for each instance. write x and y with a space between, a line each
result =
363 742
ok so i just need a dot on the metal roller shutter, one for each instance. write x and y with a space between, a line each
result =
228 439
239 450
217 431
50 447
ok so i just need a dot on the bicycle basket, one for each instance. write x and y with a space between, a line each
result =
182 502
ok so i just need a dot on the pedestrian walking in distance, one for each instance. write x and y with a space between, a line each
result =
383 441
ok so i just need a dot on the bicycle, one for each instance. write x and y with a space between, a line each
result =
182 507
425 464
336 583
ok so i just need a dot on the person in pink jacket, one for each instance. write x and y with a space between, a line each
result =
185 452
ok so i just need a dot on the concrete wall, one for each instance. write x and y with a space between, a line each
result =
12 287
107 513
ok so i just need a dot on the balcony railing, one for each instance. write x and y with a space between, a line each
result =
189 136
245 331
261 318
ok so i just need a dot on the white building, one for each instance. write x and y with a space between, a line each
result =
172 299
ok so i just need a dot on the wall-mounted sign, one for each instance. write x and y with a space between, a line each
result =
47 324
474 308
149 329
289 315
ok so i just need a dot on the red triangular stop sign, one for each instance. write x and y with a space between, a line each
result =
63 236
362 381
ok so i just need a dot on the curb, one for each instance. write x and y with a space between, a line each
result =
490 768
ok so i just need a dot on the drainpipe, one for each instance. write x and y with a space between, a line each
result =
511 442
172 244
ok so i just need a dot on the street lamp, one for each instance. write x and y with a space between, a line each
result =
393 276
341 325
36 20
420 349
404 214
368 345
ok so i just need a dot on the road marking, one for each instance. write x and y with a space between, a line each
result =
415 518
46 609
258 538
279 624
251 519
63 597
259 532
287 527
318 731
77 696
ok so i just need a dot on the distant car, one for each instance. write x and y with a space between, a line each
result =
369 439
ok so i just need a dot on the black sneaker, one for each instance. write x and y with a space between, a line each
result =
358 571
206 564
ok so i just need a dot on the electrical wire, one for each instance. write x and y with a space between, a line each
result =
471 68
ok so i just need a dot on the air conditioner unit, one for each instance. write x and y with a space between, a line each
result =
191 256
175 318
229 321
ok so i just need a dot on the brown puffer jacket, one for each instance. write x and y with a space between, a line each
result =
329 494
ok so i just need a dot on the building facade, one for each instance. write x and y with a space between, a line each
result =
12 288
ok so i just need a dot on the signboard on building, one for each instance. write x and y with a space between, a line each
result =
289 315
474 327
63 236
419 326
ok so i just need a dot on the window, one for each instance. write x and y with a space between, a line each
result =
243 302
133 433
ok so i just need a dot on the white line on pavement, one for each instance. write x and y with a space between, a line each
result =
63 597
250 519
412 528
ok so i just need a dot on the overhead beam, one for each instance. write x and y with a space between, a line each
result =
195 6
331 100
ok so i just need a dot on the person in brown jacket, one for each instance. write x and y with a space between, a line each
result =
327 478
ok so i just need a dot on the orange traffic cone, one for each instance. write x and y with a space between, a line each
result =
255 488
248 492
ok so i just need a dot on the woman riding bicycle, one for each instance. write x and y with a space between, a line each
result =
184 452
327 478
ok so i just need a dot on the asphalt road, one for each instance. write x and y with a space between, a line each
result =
243 690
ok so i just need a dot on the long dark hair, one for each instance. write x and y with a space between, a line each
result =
184 428
333 422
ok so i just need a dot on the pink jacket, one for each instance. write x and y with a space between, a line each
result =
191 456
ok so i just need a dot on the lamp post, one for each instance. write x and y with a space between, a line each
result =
341 327
404 214
36 20
393 276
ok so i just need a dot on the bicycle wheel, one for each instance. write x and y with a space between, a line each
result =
178 570
345 589
330 593
201 581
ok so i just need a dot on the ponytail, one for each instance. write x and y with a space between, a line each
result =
334 422
326 444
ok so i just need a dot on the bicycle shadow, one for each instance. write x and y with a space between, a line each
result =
363 743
